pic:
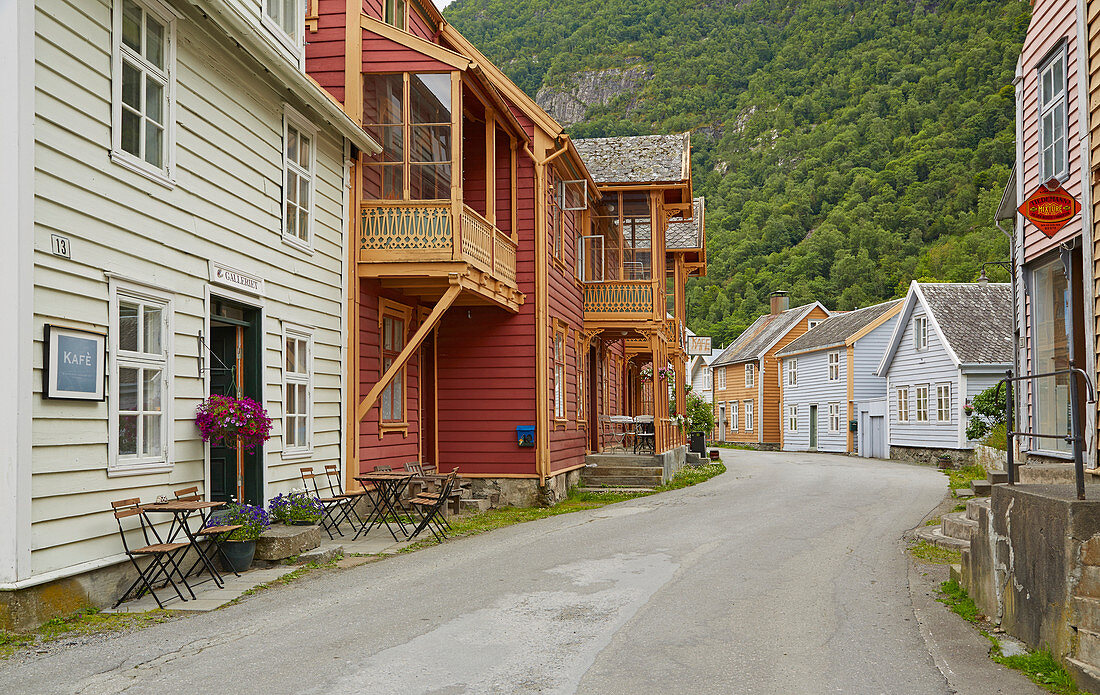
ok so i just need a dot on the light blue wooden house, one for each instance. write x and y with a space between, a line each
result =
828 376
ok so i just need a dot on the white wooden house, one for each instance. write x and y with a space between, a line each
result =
951 342
828 374
176 187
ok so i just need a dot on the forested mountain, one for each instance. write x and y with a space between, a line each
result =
845 147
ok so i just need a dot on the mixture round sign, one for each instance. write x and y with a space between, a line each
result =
1049 208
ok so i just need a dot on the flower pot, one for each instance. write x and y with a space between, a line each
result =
238 555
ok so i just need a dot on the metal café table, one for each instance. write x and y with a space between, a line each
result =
181 511
389 487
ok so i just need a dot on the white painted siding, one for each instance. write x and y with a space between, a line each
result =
814 388
699 382
930 367
225 206
866 354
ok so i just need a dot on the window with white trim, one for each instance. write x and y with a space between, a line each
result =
559 372
750 375
290 18
834 366
943 403
395 13
792 372
299 161
922 403
834 417
920 333
142 85
1053 148
734 418
393 324
140 378
297 391
792 418
721 375
903 405
707 378
750 422
812 324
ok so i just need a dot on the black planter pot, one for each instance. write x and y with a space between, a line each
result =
699 443
238 555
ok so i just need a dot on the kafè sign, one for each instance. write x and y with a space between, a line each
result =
1050 207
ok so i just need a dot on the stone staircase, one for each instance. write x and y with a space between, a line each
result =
955 529
622 471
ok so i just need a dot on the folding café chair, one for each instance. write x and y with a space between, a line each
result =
336 489
333 509
430 506
216 534
162 555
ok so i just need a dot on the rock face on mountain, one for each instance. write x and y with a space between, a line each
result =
568 103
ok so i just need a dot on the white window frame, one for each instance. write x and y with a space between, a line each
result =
292 118
792 418
941 408
834 365
293 332
917 401
902 400
834 417
166 175
734 416
721 378
708 378
750 375
920 333
293 44
750 416
139 465
1060 97
812 324
792 371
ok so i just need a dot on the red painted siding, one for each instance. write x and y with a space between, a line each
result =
382 55
419 25
504 181
325 48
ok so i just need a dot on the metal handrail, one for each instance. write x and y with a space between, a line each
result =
1075 439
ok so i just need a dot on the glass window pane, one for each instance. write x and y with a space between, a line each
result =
131 132
291 358
128 326
302 438
153 330
292 143
127 435
291 403
383 99
387 333
430 143
303 192
154 144
128 388
303 225
151 434
131 25
131 86
393 183
291 219
304 147
398 405
387 400
303 400
303 356
154 100
152 389
291 430
430 98
430 181
1058 79
291 186
154 42
398 334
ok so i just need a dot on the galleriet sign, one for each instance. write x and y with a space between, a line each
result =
226 276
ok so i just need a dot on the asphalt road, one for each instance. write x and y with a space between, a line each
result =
782 576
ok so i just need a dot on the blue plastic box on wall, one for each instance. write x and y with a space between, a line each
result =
525 435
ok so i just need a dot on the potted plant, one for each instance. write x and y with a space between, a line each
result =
296 508
240 547
233 422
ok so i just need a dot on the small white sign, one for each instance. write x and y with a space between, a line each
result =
698 345
60 245
222 274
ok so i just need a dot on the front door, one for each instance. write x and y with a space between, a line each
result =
721 422
235 370
813 426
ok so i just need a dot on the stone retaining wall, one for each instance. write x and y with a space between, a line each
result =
917 454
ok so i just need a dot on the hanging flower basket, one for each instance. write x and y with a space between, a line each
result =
228 421
646 373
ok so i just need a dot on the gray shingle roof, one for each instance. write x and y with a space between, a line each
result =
687 234
836 329
761 334
638 158
976 319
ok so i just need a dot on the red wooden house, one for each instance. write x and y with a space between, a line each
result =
467 311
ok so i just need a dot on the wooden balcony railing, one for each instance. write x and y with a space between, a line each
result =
410 232
619 299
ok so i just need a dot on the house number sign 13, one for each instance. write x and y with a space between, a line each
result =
61 246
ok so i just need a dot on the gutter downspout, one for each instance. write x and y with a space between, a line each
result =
1088 293
1015 318
1019 312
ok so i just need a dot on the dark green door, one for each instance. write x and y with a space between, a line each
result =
235 369
813 426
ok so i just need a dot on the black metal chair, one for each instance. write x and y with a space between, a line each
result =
430 505
213 532
163 556
336 490
333 509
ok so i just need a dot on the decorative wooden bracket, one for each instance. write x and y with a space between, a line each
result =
410 348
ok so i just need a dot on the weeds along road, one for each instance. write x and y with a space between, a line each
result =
781 576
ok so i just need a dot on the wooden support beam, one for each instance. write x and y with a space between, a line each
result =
410 348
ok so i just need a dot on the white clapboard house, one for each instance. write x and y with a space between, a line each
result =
827 377
177 208
951 342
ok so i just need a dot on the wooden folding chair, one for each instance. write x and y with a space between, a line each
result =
430 505
162 555
332 473
216 534
333 509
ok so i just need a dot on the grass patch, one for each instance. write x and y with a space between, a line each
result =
1040 667
730 445
959 508
961 477
934 554
575 501
955 597
934 521
90 621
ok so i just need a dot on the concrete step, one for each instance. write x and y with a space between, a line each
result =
1052 474
972 507
614 489
468 505
1088 647
956 574
622 480
956 525
1088 613
935 536
981 487
321 555
1086 676
621 460
964 492
624 470
997 477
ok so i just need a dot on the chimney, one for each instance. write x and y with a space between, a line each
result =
780 302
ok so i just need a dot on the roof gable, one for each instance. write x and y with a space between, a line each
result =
771 330
836 330
637 158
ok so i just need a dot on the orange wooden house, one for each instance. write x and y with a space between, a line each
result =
469 308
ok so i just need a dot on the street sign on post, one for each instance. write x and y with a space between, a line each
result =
698 345
1050 207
